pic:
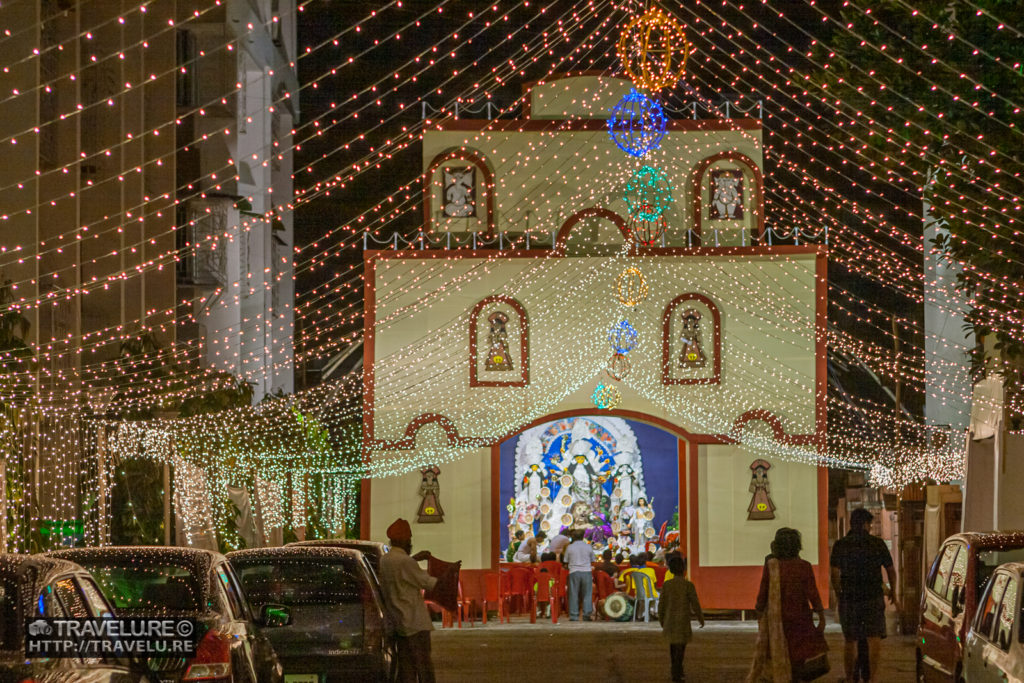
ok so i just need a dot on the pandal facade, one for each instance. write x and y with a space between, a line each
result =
499 322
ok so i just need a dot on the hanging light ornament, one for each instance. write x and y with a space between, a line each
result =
623 337
645 232
606 397
637 124
618 367
653 50
648 193
631 287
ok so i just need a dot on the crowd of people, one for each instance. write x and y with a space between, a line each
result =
790 645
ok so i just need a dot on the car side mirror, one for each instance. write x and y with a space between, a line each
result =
273 614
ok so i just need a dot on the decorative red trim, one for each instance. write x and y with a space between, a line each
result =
666 342
562 238
773 421
428 183
697 180
683 495
524 344
693 502
496 506
821 343
408 442
527 125
364 509
822 567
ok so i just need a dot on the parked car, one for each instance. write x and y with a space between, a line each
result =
338 629
951 596
994 652
373 550
32 586
189 582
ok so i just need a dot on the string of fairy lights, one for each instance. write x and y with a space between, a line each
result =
331 311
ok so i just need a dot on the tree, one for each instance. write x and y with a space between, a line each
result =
934 93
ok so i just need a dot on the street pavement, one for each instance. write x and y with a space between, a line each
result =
616 652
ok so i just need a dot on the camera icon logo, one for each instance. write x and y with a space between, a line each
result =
39 628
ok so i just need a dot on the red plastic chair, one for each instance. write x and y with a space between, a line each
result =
659 575
604 585
549 582
492 593
516 588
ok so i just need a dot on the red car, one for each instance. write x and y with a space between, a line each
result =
952 589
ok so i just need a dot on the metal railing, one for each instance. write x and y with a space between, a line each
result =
542 239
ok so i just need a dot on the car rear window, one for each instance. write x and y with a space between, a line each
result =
149 587
988 560
302 582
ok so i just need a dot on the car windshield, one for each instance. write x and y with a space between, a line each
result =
148 587
988 560
302 582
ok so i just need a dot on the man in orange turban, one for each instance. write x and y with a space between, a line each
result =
402 583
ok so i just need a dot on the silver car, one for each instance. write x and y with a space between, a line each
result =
994 652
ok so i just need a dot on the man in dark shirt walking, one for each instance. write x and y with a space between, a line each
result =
857 561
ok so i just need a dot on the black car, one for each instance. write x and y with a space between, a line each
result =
32 586
338 630
188 582
373 550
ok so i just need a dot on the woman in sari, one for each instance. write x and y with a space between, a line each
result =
787 635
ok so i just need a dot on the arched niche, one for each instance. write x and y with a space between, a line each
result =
499 343
586 217
458 192
691 341
728 200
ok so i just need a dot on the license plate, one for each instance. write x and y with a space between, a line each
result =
302 678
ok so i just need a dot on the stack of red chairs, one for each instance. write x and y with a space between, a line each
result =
492 593
516 588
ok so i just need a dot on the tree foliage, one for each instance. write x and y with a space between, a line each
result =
933 94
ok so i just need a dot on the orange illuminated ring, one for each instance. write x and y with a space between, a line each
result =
653 50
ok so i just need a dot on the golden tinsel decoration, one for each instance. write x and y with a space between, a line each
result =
653 50
631 287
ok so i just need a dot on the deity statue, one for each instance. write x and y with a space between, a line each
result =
640 522
497 341
691 355
624 476
430 507
535 477
458 192
727 195
761 505
583 465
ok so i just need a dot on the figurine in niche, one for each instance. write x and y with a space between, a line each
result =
726 194
430 507
458 192
692 353
761 505
497 342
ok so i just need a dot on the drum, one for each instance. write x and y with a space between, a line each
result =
618 607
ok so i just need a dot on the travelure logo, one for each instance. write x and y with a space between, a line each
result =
113 636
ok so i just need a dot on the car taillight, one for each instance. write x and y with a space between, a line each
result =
212 660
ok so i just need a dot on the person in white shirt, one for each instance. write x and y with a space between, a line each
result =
579 557
401 583
558 543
